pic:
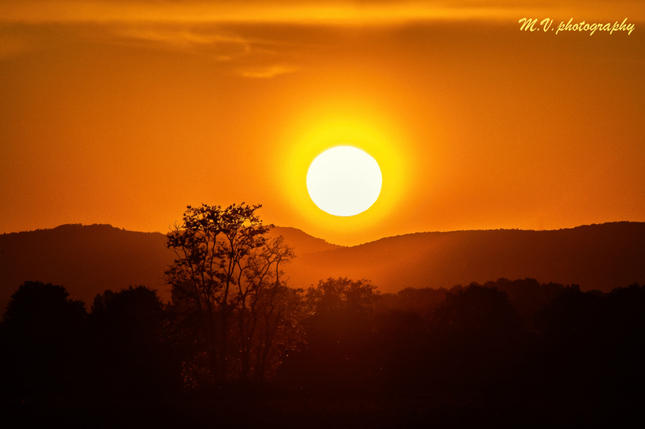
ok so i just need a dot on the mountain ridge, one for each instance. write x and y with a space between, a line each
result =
87 259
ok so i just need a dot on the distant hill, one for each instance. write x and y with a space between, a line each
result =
90 259
302 242
87 260
595 257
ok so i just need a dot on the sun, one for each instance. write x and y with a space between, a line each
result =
344 181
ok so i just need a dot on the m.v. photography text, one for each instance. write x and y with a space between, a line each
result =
545 25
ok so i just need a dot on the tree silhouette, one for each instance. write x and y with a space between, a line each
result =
226 275
622 337
267 313
475 310
341 294
340 312
593 343
132 349
475 335
42 334
339 335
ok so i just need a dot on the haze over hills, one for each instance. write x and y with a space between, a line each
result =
87 260
595 257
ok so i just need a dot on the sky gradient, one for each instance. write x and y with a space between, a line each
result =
125 112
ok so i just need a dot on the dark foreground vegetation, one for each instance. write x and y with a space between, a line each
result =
551 356
236 347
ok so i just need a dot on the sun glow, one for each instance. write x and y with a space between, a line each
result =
323 126
344 181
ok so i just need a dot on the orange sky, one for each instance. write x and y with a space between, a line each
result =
126 112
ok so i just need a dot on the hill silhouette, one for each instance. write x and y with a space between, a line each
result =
595 257
87 260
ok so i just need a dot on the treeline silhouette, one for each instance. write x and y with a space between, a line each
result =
505 353
89 259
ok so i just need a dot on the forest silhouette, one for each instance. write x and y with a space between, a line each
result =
239 346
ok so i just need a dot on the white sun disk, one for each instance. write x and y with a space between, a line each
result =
344 181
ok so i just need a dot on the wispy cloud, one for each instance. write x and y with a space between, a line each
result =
309 12
270 71
249 57
245 34
223 47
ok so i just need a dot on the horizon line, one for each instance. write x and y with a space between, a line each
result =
341 245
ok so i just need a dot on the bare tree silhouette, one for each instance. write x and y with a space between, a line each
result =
227 284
